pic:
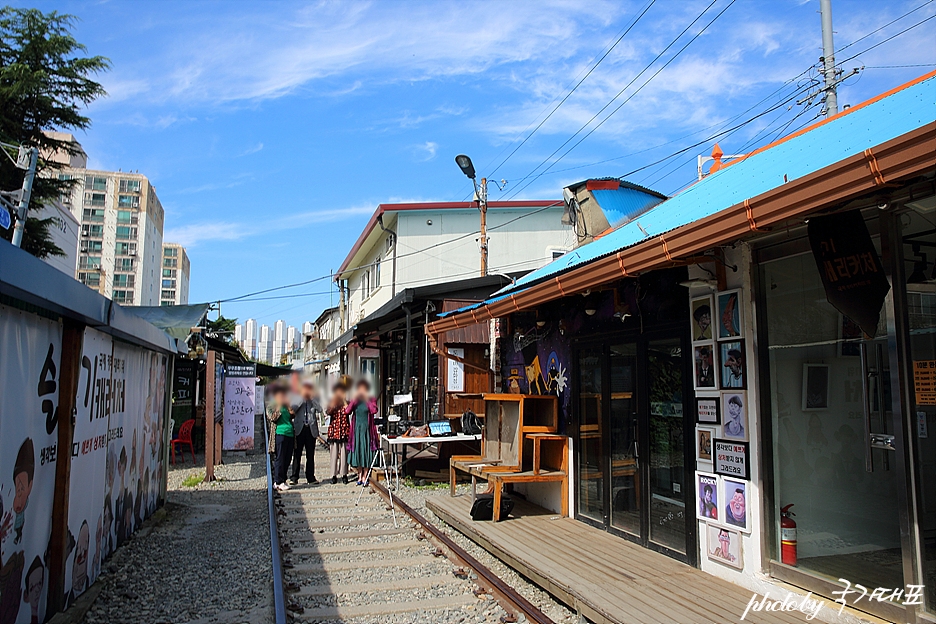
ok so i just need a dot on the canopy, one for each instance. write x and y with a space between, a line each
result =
177 320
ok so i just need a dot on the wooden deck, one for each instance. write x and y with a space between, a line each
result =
605 578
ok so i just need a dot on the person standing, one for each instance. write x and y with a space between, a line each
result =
338 430
362 437
285 436
306 428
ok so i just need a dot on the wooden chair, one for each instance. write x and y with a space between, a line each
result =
184 437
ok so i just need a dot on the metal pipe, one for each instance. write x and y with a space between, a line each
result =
828 57
279 591
23 208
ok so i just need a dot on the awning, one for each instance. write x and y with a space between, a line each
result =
890 137
177 320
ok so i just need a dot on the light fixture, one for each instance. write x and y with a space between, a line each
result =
464 163
590 311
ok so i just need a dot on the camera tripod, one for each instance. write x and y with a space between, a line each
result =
379 462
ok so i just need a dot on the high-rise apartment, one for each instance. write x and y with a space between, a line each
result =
120 244
250 338
292 338
279 340
265 345
174 286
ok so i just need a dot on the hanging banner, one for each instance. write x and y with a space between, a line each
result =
183 386
30 365
849 266
239 406
90 520
456 371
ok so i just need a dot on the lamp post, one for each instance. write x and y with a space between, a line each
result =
464 163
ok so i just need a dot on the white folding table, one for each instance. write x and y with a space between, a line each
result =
397 447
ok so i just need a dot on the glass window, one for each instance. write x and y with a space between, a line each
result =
168 283
92 246
126 232
124 216
128 201
123 264
92 231
95 183
89 262
94 199
169 273
170 262
129 186
92 214
123 280
168 294
170 252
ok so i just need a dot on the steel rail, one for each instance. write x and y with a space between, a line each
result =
279 590
502 590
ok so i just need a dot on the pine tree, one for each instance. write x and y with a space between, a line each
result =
45 82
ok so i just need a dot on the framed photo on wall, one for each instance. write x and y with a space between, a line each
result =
815 387
734 415
735 504
708 410
705 375
707 507
733 369
728 317
702 318
704 436
723 545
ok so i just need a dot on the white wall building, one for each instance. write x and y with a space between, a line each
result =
279 340
174 287
408 245
249 344
64 231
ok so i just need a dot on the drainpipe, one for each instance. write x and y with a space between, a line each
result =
393 235
409 336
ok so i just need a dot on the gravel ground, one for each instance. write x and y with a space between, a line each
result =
206 562
416 498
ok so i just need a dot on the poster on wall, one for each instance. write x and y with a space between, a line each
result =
704 436
89 521
734 410
723 545
708 410
239 407
734 495
704 363
707 496
728 317
455 375
924 382
731 458
30 364
702 319
733 369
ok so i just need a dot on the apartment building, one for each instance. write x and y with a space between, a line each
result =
174 287
265 345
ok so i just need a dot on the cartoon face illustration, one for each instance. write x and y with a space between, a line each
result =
736 504
23 487
35 579
80 565
23 472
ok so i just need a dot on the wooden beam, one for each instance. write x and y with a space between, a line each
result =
70 367
210 382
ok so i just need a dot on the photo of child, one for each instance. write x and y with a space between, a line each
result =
707 489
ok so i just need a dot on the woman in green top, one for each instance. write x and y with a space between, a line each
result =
285 437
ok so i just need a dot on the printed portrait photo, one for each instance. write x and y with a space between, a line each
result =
704 367
702 318
728 320
724 546
734 421
707 493
734 497
733 369
704 437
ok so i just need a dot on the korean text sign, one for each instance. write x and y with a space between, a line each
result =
239 391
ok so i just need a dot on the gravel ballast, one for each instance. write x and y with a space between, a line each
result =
205 561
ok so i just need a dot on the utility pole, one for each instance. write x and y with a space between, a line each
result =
26 194
482 205
828 56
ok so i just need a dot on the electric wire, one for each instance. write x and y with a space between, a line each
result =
883 41
631 96
879 29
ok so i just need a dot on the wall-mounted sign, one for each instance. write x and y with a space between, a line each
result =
924 381
849 266
731 458
455 377
183 381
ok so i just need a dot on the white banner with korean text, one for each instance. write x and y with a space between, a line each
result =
239 405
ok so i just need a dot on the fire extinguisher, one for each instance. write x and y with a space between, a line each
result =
787 536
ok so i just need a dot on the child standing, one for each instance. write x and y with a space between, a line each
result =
362 437
338 430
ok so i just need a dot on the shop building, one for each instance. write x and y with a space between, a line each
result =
765 338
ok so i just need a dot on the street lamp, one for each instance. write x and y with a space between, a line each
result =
464 163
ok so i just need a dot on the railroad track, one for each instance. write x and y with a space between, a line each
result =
353 562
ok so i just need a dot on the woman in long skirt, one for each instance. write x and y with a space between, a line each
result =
338 432
362 438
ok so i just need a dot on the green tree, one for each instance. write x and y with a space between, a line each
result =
222 328
45 83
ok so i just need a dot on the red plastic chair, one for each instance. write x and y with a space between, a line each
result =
184 437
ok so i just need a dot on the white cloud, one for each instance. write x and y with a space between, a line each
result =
427 150
252 150
195 234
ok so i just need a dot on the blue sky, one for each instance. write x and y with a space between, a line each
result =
272 130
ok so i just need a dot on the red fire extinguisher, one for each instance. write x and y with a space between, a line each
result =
787 536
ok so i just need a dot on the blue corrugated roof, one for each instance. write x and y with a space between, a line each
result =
623 204
828 143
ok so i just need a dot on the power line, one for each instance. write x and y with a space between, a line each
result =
877 30
664 66
883 41
899 66
577 85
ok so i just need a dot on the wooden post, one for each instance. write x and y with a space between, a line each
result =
209 415
72 336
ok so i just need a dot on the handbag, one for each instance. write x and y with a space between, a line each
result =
483 507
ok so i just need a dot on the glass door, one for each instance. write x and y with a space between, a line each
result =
631 442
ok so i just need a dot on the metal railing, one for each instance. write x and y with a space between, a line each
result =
279 591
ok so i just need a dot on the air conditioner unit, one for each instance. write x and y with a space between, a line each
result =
131 253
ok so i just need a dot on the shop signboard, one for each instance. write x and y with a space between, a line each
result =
731 458
183 386
456 371
239 407
849 266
